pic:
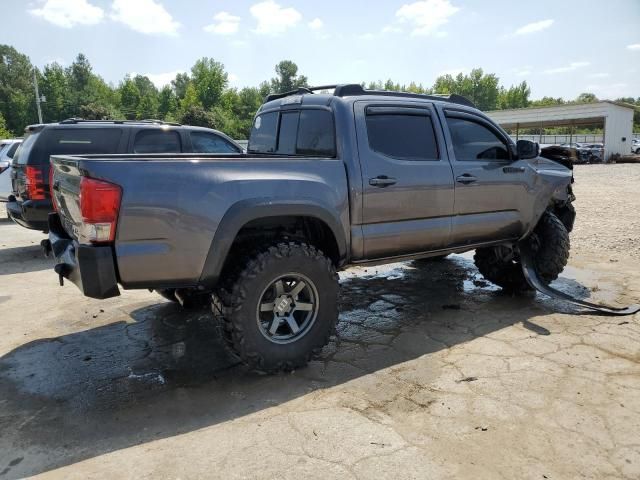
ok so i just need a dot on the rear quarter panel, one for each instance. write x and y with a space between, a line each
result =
171 209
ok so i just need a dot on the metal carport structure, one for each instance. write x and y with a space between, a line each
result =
615 117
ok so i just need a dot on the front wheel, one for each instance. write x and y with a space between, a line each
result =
550 243
281 308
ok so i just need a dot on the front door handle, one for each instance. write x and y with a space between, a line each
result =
466 178
382 181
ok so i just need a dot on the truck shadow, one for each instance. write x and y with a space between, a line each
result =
164 372
23 259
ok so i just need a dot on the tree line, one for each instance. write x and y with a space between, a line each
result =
202 96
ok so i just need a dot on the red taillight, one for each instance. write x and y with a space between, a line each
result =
33 183
99 205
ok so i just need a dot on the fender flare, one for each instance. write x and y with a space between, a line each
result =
244 211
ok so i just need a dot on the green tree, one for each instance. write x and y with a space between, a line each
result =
4 132
167 103
516 96
53 85
179 84
129 98
586 98
198 116
17 97
94 111
482 89
209 81
547 102
287 78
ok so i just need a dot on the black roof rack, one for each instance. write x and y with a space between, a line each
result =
75 120
353 89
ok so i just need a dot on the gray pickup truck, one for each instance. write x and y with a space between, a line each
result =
329 180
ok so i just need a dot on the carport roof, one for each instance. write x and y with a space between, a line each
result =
558 115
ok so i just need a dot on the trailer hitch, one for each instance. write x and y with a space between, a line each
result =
526 257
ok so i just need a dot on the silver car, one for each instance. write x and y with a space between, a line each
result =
7 151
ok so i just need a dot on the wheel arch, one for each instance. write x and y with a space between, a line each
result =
243 213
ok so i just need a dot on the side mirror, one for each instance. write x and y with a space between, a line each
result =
527 149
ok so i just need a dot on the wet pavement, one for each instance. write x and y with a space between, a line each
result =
433 372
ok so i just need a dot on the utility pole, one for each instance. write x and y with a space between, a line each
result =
35 83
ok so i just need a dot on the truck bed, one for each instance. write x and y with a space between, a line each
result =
173 205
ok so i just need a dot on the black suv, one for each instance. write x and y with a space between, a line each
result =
30 203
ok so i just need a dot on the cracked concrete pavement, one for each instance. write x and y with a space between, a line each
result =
434 373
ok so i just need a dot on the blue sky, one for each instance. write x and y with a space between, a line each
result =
562 48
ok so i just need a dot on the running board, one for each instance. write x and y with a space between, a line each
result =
533 280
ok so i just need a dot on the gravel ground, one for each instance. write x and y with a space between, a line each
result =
434 373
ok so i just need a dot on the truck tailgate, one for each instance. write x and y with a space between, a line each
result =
65 192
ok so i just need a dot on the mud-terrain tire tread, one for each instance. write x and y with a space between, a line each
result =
228 300
550 258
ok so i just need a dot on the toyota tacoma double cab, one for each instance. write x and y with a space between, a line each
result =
329 180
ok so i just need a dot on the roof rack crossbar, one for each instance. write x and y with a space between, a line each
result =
74 120
352 89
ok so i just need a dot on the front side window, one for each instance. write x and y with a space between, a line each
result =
406 136
207 142
473 141
157 141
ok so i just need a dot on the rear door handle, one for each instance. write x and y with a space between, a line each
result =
382 181
466 178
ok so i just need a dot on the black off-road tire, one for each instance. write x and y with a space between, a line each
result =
234 306
549 241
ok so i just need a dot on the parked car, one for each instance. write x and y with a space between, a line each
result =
7 151
30 203
596 152
583 152
635 146
354 178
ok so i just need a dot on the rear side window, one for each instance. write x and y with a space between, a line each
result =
207 142
264 133
37 147
403 135
473 141
12 149
294 132
316 134
157 141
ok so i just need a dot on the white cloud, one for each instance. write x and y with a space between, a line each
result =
426 16
67 13
598 75
223 24
534 27
614 90
391 29
274 19
365 36
569 68
144 16
316 24
523 71
634 46
161 79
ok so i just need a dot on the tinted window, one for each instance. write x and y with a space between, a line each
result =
157 141
403 136
22 155
473 141
67 141
263 133
316 134
12 149
206 142
288 132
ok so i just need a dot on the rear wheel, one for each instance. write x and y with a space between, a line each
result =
550 243
281 308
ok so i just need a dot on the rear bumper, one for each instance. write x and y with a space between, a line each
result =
31 214
90 268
